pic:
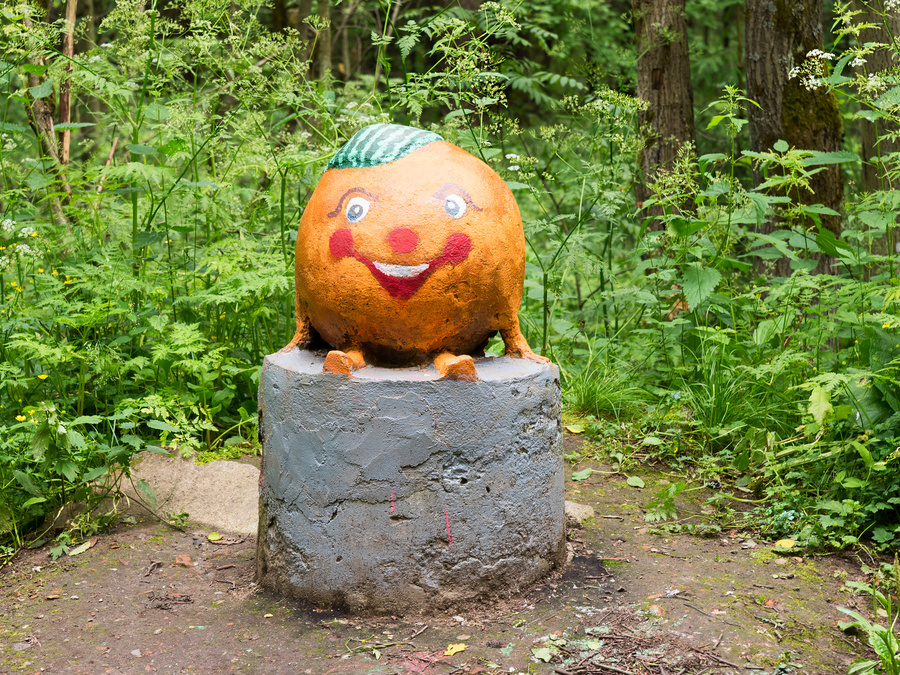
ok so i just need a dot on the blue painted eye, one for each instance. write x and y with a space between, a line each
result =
357 208
455 205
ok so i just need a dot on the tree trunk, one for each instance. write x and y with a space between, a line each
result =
65 87
780 34
664 81
874 172
323 41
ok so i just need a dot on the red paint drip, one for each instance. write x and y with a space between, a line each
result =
392 502
447 516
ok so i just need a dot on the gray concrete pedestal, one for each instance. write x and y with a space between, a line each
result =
393 490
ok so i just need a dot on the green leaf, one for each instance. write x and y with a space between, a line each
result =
820 404
95 473
24 480
542 654
780 146
889 99
87 419
161 426
584 474
513 185
9 127
138 149
698 283
144 487
175 145
635 482
43 90
71 126
838 157
40 442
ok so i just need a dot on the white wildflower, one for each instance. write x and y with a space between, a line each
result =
351 105
8 226
106 45
819 54
860 61
512 156
26 231
892 5
795 71
514 167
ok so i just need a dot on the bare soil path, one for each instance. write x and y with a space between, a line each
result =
149 599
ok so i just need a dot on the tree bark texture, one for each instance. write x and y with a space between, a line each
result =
65 87
323 42
664 81
874 144
780 33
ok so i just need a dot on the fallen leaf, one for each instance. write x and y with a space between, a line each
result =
214 536
463 637
575 428
785 543
376 654
183 559
770 603
81 548
542 654
454 649
635 482
268 616
656 609
584 474
53 597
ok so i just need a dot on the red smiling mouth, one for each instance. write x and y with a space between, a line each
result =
401 281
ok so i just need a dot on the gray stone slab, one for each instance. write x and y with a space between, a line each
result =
394 489
221 495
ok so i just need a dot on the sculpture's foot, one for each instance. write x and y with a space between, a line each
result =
452 367
343 363
289 347
528 354
517 346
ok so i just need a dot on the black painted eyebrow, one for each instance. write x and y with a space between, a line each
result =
453 187
353 190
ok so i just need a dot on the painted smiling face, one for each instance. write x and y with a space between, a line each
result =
409 247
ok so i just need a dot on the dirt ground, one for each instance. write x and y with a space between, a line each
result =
148 598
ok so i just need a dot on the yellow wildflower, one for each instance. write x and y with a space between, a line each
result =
34 234
886 325
40 270
21 418
43 376
55 273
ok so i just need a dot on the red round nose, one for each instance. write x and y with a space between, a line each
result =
403 240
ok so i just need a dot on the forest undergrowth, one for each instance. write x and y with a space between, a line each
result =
146 248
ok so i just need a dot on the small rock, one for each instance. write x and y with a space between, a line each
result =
136 652
577 514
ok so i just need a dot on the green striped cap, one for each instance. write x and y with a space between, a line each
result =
379 144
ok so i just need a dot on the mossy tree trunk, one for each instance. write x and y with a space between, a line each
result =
664 81
780 34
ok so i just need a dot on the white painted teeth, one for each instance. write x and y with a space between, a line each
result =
400 270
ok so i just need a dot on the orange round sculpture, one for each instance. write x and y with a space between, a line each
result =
410 250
